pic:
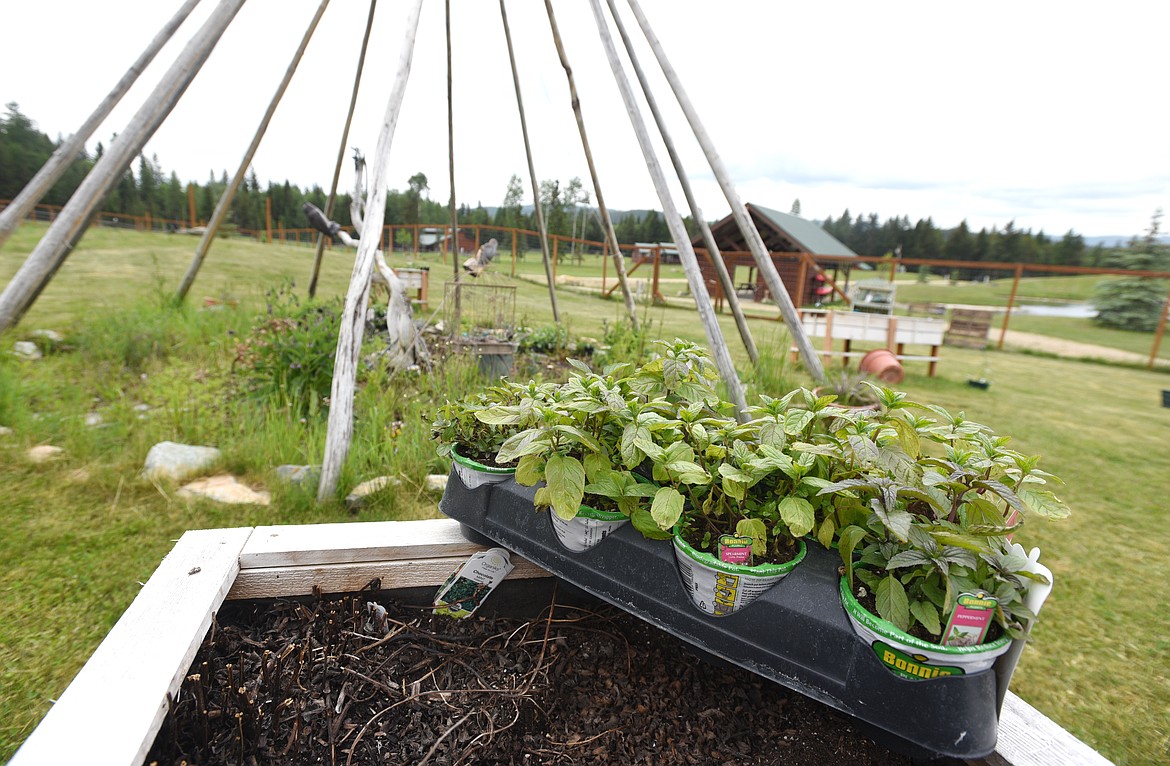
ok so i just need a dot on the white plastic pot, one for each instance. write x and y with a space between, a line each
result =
719 588
585 530
918 660
474 474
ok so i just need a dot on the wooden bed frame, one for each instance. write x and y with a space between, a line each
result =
147 653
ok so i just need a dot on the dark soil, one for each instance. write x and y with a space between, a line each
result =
328 681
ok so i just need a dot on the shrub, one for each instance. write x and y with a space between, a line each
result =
288 357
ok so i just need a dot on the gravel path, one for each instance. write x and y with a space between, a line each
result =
1069 348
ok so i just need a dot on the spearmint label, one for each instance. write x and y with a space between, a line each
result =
970 620
915 667
734 549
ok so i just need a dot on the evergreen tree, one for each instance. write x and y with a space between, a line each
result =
1134 303
959 245
23 150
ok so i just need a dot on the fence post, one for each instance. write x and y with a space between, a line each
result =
1160 331
1011 302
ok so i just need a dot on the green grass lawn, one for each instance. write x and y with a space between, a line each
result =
1072 289
81 532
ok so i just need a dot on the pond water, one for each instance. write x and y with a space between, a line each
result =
1067 310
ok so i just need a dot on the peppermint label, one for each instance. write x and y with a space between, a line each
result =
734 549
970 620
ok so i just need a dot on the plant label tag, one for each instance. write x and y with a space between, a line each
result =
470 584
734 549
970 620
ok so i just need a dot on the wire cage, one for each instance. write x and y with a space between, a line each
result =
486 310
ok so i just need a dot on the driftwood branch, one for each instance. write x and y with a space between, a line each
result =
349 341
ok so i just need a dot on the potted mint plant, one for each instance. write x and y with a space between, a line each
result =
739 498
473 442
575 445
931 578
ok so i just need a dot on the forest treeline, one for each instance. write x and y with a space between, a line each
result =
149 189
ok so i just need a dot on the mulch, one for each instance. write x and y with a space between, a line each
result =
336 680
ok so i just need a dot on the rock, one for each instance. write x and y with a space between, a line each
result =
357 496
298 474
49 335
437 483
44 453
93 419
78 476
225 489
168 460
5 431
26 349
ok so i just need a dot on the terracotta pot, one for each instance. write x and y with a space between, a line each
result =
883 365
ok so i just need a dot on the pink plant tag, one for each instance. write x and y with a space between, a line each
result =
734 549
970 620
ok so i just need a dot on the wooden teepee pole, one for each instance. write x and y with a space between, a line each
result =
332 199
43 262
353 320
456 261
606 221
745 334
750 234
59 162
225 199
536 206
677 230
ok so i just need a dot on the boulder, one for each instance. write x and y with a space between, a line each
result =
26 349
168 460
357 496
437 483
44 453
225 489
298 474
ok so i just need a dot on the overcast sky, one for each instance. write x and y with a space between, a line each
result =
1051 114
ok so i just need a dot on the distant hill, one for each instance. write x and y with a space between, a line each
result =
1117 241
615 215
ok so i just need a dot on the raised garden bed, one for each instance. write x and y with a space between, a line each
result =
117 703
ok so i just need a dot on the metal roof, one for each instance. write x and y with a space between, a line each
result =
811 237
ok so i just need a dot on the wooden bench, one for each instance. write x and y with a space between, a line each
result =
894 332
968 328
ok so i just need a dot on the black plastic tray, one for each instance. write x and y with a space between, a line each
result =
796 634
